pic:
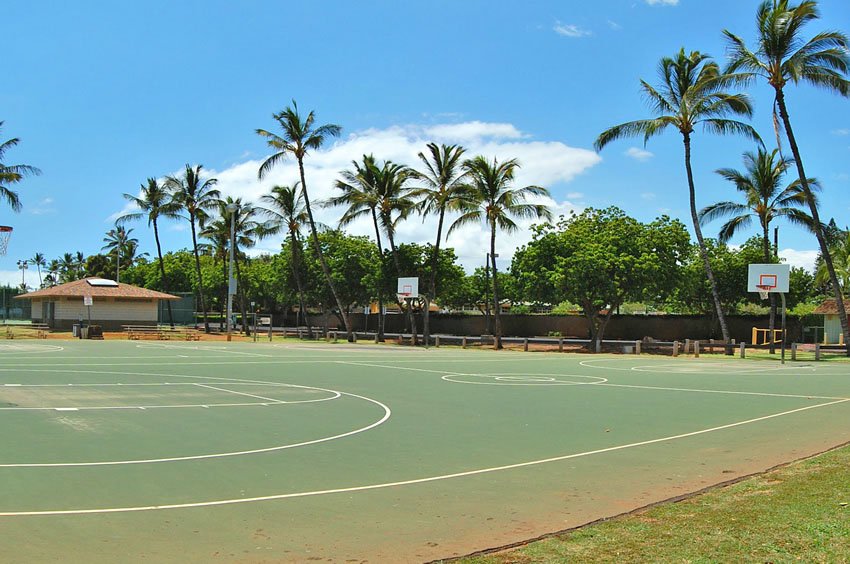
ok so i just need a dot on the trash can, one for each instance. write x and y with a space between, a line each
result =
75 330
84 332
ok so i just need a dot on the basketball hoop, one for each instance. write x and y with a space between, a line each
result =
764 291
402 296
5 235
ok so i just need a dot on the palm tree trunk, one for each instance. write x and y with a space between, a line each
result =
198 271
497 314
721 318
824 248
432 284
380 276
246 328
162 285
767 259
325 268
296 273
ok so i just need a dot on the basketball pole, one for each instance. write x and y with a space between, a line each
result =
782 354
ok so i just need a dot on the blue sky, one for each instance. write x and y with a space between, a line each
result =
106 94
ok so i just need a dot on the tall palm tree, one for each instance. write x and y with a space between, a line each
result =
79 265
217 232
38 261
691 93
12 174
443 187
360 194
493 200
299 135
761 187
195 195
286 210
154 202
68 269
118 241
53 269
395 203
782 56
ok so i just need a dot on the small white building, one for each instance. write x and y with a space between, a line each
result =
832 334
112 304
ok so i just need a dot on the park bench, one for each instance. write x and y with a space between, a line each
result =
32 331
162 332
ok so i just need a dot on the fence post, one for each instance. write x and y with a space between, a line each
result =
817 351
561 345
299 333
637 347
376 339
675 348
793 351
687 346
463 342
437 341
525 345
696 349
743 350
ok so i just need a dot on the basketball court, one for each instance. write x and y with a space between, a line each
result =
128 451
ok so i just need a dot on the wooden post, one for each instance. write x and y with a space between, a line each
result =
755 339
687 346
696 349
743 350
675 348
637 347
463 342
437 341
817 351
561 345
525 345
793 351
376 339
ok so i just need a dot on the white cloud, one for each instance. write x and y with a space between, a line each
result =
42 207
575 195
571 30
841 132
637 154
614 25
647 195
662 2
546 163
801 259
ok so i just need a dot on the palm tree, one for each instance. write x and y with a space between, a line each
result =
360 193
79 264
491 199
118 241
444 184
67 268
691 93
154 202
195 195
840 251
38 261
217 232
12 174
53 269
783 56
766 200
287 212
298 136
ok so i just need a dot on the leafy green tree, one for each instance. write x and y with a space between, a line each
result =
840 253
195 195
783 56
600 259
299 136
12 174
443 183
154 202
493 200
691 93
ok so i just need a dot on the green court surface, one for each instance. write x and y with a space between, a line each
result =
199 452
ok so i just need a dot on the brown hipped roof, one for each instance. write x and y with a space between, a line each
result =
81 288
830 307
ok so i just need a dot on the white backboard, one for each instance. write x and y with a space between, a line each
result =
87 300
771 278
408 286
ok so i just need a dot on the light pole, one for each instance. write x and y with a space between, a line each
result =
231 283
23 265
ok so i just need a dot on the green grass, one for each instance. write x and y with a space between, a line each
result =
798 513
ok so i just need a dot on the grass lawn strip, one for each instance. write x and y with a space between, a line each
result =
799 512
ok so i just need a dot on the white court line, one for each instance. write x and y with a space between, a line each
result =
413 481
731 392
238 393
